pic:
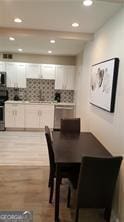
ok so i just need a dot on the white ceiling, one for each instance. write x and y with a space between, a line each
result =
51 19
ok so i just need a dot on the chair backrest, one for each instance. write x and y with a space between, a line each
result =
50 148
97 181
70 125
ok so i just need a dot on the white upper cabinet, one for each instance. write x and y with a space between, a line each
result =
21 75
16 74
11 71
69 77
59 81
2 66
48 71
33 71
65 76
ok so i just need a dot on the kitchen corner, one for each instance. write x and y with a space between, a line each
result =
33 93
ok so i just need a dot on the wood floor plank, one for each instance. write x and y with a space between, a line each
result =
24 179
23 148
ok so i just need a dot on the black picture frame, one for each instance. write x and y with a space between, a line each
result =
103 84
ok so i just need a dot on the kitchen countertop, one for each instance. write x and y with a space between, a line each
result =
40 102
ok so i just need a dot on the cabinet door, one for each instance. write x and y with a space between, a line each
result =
33 71
19 115
59 80
65 77
21 75
47 116
14 115
2 66
11 70
32 116
9 116
69 75
48 71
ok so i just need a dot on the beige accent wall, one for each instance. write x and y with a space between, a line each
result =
107 127
45 59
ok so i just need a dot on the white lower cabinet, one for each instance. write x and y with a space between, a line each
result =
29 116
32 116
14 115
46 113
37 116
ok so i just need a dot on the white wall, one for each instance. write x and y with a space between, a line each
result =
109 128
35 58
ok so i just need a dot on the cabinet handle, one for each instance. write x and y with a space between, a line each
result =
13 112
39 113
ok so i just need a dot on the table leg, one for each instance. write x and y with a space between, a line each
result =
57 192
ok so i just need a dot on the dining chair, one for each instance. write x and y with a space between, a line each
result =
67 172
96 185
71 125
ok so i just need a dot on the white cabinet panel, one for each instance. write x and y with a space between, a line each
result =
33 71
32 116
69 75
2 66
37 116
14 115
11 71
16 74
48 71
59 80
21 75
47 116
65 76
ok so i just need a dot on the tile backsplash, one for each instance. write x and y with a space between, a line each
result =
38 89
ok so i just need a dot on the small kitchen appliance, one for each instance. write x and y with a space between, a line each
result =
57 97
3 98
2 79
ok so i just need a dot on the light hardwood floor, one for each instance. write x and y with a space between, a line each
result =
23 148
24 179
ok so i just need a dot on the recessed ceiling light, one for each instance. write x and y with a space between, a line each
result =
87 2
75 24
11 38
20 50
17 20
52 41
49 51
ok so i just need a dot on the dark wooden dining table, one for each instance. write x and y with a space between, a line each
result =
69 149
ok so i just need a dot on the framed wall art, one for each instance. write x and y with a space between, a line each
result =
103 84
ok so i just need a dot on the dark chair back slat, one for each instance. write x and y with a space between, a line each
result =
97 181
50 148
70 125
